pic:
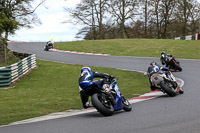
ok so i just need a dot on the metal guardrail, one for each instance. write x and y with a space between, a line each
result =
10 74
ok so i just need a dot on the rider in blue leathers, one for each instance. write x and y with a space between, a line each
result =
87 76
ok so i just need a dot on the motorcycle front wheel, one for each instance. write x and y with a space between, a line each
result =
166 88
46 48
100 102
126 105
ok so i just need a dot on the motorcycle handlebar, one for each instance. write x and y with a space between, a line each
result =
110 78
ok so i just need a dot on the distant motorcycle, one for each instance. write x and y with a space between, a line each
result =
170 62
108 102
167 83
48 46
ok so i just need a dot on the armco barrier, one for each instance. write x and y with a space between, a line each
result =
10 74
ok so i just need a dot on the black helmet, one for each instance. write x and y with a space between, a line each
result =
153 63
162 52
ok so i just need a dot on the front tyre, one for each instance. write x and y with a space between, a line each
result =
126 105
169 90
181 92
102 105
46 48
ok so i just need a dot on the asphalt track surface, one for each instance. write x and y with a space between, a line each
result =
180 114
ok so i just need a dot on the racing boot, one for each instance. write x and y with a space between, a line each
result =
179 90
88 104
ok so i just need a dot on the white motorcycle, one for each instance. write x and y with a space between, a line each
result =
167 83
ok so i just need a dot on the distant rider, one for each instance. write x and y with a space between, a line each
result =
50 43
87 76
165 58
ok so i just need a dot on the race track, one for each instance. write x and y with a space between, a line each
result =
180 114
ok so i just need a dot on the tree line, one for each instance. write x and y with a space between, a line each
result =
107 19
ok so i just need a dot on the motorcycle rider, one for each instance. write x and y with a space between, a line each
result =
50 43
154 68
87 75
165 58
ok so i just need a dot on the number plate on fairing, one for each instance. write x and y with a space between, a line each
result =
156 78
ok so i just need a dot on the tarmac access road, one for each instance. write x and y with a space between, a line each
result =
180 114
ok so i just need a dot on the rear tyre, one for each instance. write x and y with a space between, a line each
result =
169 90
99 103
177 66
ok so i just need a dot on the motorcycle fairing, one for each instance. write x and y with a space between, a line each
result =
118 99
171 60
86 84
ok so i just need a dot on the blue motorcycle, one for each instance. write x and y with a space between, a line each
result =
107 102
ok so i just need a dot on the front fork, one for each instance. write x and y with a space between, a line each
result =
172 79
108 97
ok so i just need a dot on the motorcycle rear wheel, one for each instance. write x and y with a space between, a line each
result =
169 90
98 102
177 66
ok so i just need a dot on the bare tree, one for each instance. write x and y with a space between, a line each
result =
183 13
91 14
145 16
167 12
146 10
156 19
195 17
123 11
100 8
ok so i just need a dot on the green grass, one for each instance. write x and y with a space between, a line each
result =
136 47
53 87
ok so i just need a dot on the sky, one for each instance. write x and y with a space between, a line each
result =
51 15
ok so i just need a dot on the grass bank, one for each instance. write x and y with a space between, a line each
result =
10 58
188 49
53 87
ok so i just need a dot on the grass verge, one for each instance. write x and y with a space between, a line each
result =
188 49
10 57
53 87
